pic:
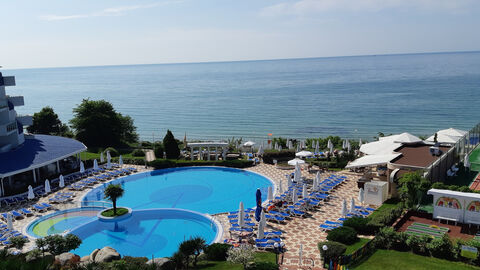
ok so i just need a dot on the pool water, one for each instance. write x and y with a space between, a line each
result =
147 233
203 189
61 221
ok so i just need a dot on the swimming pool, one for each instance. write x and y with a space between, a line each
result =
203 189
61 221
147 233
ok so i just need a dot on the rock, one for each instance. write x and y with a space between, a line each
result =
107 254
85 259
158 261
93 254
66 257
32 256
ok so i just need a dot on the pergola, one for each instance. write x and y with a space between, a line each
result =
208 146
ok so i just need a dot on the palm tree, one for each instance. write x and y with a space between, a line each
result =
112 193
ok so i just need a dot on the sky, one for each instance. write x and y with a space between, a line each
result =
57 33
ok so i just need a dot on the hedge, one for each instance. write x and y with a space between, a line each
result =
282 155
385 217
334 250
344 235
170 163
217 251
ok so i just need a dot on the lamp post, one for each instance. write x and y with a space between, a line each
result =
278 247
325 248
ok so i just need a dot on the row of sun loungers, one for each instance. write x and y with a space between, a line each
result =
6 234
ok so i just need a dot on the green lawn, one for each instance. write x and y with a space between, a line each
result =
391 259
120 212
353 247
223 265
388 204
90 155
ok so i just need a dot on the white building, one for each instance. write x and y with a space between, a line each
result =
11 125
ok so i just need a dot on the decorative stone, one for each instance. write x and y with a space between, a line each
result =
107 254
66 257
158 261
93 254
85 259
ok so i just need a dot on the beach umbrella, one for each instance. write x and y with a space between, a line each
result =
258 197
352 205
289 180
344 210
344 145
304 154
294 195
249 144
279 148
317 181
297 175
331 149
360 142
296 161
300 254
260 150
120 160
276 146
304 191
109 160
289 144
317 148
466 162
329 144
61 181
9 221
261 226
241 216
82 167
280 187
361 196
270 194
349 147
101 158
95 164
30 195
47 186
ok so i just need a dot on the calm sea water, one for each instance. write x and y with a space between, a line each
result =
351 97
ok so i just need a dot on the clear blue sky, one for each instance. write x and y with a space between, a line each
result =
52 33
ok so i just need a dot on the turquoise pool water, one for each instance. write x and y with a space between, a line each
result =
156 232
203 189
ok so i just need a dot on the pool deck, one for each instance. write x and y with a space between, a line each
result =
295 232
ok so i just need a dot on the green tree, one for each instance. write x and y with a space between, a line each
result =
412 188
171 146
192 247
41 244
113 192
97 124
46 121
18 242
58 244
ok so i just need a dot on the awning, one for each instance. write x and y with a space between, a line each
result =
372 160
386 146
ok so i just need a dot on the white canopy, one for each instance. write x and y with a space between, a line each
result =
260 150
379 147
249 144
261 226
296 161
304 154
407 138
270 194
453 132
443 138
371 160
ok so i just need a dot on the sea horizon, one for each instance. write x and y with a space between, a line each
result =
348 96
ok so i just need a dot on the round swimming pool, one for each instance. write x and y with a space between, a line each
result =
61 221
147 233
203 189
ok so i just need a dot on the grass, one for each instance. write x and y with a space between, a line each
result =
224 265
388 204
353 247
391 259
90 155
120 212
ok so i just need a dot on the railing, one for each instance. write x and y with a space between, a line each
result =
103 204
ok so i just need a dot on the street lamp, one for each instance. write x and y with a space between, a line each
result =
325 248
278 247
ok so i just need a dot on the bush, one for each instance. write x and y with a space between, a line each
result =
159 150
385 217
385 238
263 266
344 235
441 247
283 155
400 243
113 152
418 244
138 153
359 224
335 249
217 251
171 146
439 185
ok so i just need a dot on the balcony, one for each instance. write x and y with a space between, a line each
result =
16 100
25 120
7 129
9 81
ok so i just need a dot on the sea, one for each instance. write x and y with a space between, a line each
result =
352 97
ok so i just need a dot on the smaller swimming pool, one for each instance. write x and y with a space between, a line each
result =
61 221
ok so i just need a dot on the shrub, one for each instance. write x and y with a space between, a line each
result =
401 241
58 244
171 146
335 249
138 153
263 266
453 187
344 234
464 189
439 185
217 251
385 217
418 244
359 224
159 150
242 255
385 238
113 152
441 247
270 155
18 242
